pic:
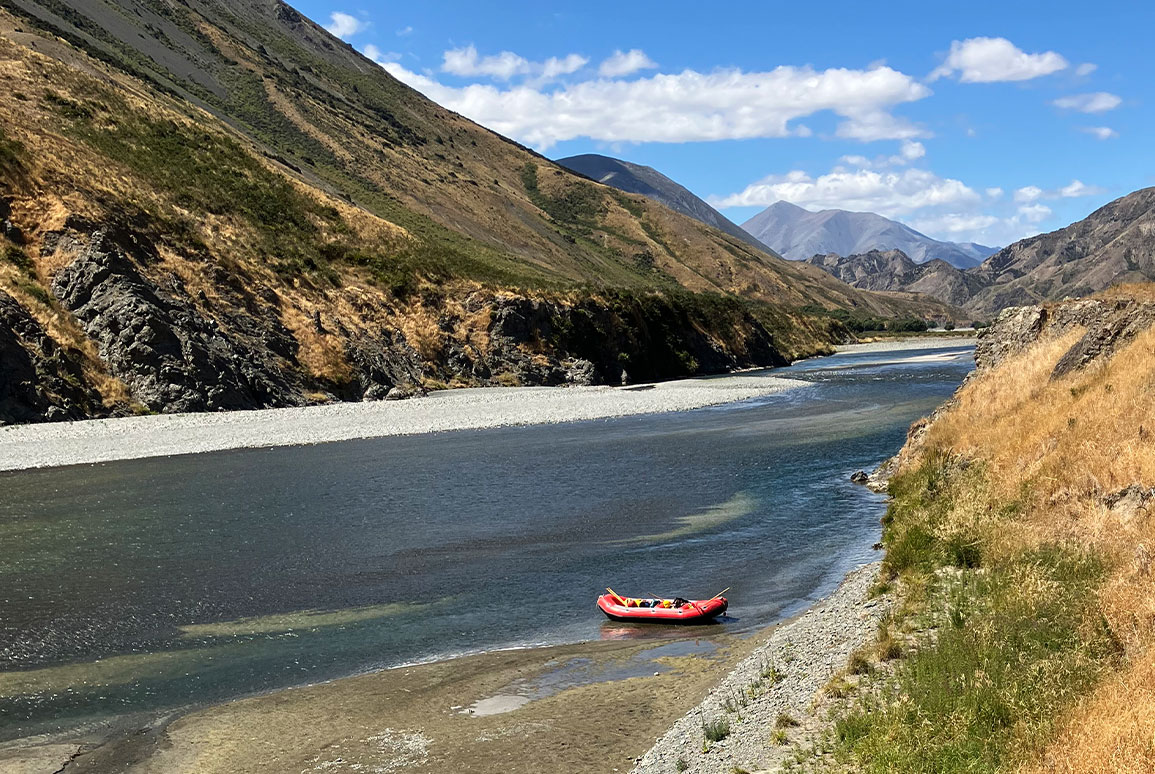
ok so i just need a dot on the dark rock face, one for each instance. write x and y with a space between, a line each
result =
172 358
1110 324
39 380
387 368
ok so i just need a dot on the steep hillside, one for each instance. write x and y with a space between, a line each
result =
1115 244
798 234
893 270
1019 541
635 178
220 205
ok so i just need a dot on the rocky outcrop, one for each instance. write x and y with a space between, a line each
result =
1112 245
172 357
386 367
1110 323
39 379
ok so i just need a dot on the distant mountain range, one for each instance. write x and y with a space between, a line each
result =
647 181
1115 244
798 234
894 270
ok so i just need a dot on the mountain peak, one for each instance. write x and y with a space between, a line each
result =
797 233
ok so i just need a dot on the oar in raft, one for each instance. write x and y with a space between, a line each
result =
720 593
617 596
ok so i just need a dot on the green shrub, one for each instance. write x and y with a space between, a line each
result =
716 730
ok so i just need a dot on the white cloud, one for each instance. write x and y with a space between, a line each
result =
1100 132
1074 189
1028 193
887 193
908 153
1034 213
682 107
405 31
1097 102
953 225
564 66
467 62
625 63
1086 69
1078 188
380 57
913 150
990 60
343 25
994 193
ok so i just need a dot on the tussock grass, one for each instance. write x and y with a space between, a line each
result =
1028 597
716 730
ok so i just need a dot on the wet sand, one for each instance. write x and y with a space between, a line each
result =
590 716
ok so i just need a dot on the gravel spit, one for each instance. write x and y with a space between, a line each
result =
103 440
787 672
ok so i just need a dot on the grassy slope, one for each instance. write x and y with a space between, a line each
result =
1029 599
349 128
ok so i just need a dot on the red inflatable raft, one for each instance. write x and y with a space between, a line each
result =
619 608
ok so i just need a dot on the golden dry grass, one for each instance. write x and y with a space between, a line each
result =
1058 449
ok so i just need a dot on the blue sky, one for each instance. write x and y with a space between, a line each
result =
979 121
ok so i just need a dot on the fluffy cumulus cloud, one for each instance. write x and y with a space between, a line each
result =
989 60
887 193
1034 213
895 186
343 25
1100 132
1097 102
1072 190
681 107
909 152
555 66
622 63
1028 193
466 62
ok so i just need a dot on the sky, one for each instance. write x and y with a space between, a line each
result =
984 122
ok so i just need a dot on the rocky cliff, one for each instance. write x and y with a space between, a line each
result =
1109 322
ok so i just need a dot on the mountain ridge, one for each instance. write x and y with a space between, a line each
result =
256 199
647 181
1110 246
797 233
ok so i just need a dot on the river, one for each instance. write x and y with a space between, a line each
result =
133 587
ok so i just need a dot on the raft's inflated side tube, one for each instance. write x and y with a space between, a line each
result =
698 611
